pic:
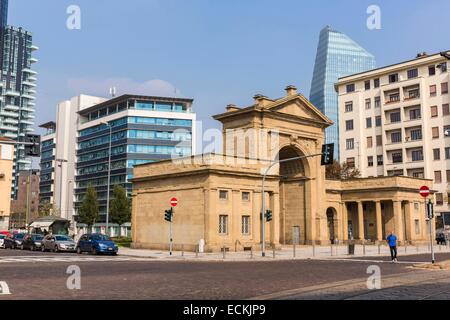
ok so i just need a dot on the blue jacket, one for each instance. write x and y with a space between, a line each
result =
392 239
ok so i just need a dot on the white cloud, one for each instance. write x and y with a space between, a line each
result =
101 87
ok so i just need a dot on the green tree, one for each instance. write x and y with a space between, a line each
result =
88 212
344 171
47 209
120 208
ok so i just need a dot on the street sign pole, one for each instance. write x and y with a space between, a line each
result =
170 232
430 221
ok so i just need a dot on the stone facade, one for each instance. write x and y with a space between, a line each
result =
220 196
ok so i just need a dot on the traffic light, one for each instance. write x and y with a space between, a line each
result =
430 209
327 154
269 216
33 146
168 216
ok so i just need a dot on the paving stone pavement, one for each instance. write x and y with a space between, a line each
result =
419 285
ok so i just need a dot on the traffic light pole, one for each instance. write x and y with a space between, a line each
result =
263 206
170 232
429 209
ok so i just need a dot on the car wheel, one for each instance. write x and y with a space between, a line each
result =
33 248
94 251
22 247
56 249
79 250
43 248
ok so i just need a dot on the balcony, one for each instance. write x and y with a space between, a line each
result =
27 96
11 121
28 109
4 113
8 128
27 122
26 70
12 93
33 60
34 47
10 135
29 84
11 107
32 79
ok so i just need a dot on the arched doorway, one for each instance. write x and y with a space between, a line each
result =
292 196
332 224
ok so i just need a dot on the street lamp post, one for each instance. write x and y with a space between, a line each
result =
263 209
61 161
109 176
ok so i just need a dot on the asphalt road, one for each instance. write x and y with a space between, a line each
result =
36 275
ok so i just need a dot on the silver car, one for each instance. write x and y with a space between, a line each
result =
57 243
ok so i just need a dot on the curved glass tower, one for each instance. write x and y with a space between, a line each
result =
337 56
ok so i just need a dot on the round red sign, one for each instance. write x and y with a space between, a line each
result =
174 202
424 191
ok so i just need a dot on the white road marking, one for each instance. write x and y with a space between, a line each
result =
20 259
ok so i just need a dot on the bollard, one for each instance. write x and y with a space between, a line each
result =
379 249
314 249
196 251
274 252
294 251
406 247
364 248
224 255
417 246
182 250
251 252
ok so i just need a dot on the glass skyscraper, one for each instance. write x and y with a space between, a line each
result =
17 88
337 56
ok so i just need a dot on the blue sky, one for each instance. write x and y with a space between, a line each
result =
215 51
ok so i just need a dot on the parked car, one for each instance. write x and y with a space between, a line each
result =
441 238
96 244
57 243
14 241
32 242
2 241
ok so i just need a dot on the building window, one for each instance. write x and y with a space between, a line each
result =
417 155
431 70
393 78
245 225
416 134
417 226
370 161
368 123
413 73
223 224
413 94
350 144
445 109
350 88
434 111
395 97
377 102
414 114
223 195
379 140
436 154
418 174
349 125
378 121
396 137
444 88
367 85
245 196
435 132
397 157
437 177
395 117
433 90
369 142
368 104
380 160
447 153
351 162
376 83
439 199
349 106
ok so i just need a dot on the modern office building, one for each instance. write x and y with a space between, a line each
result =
17 88
394 122
58 154
337 56
144 129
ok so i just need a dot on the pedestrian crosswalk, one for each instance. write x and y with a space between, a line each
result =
72 258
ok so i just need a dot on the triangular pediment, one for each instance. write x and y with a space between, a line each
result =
299 106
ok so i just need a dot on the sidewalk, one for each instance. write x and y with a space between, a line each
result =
286 253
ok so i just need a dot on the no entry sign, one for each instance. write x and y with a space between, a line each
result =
424 191
174 202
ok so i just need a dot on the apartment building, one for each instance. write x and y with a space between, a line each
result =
394 122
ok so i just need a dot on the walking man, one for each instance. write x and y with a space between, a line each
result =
392 241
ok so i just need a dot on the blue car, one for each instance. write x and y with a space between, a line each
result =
96 244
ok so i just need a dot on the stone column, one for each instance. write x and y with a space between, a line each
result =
408 221
256 218
344 221
360 220
236 218
379 220
398 220
275 224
